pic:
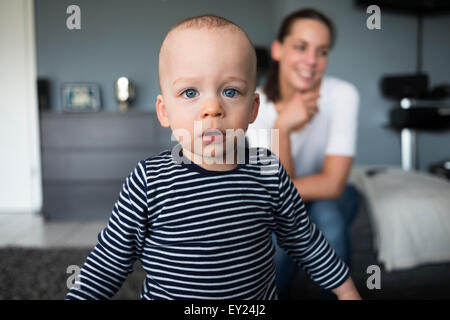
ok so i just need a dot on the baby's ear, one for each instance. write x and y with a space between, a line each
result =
255 108
161 111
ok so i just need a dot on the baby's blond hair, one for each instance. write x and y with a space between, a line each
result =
210 22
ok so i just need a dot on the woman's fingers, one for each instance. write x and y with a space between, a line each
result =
299 110
312 108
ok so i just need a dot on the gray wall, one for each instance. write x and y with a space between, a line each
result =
123 37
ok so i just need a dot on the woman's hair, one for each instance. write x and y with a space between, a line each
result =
272 85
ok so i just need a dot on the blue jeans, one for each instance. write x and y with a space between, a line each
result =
333 217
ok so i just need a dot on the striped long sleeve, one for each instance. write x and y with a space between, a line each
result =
119 244
303 241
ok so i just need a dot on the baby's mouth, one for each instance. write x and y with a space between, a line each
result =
213 135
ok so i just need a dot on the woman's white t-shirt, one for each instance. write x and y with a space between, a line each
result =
332 131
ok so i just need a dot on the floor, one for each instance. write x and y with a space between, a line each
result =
32 231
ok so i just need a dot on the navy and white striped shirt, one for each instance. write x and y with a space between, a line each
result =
203 234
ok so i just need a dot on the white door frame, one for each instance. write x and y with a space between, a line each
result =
20 163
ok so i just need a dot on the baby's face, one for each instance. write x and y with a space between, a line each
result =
207 80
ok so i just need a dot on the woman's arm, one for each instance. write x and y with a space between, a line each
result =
293 115
328 184
284 149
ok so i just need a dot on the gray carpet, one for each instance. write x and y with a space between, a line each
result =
41 274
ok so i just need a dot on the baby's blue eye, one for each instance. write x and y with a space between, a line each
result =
230 93
190 93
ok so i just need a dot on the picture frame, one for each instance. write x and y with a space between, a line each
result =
81 97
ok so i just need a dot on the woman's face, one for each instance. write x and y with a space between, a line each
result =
303 54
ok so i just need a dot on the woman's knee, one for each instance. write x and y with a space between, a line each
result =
325 213
349 203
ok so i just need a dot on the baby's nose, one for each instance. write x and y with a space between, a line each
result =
212 108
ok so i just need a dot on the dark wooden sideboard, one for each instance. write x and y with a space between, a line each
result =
87 156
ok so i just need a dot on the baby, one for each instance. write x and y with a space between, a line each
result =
200 218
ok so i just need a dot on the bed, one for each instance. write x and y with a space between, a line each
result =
409 213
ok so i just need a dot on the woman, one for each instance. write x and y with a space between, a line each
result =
316 119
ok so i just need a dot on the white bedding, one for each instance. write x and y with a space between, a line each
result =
410 215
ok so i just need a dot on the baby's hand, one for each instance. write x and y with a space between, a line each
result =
347 291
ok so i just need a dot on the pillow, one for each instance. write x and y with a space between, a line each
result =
410 215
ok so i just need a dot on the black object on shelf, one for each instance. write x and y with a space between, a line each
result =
441 91
409 6
409 85
412 85
423 118
43 88
412 117
441 169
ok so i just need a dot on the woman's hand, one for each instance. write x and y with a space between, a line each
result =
294 114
